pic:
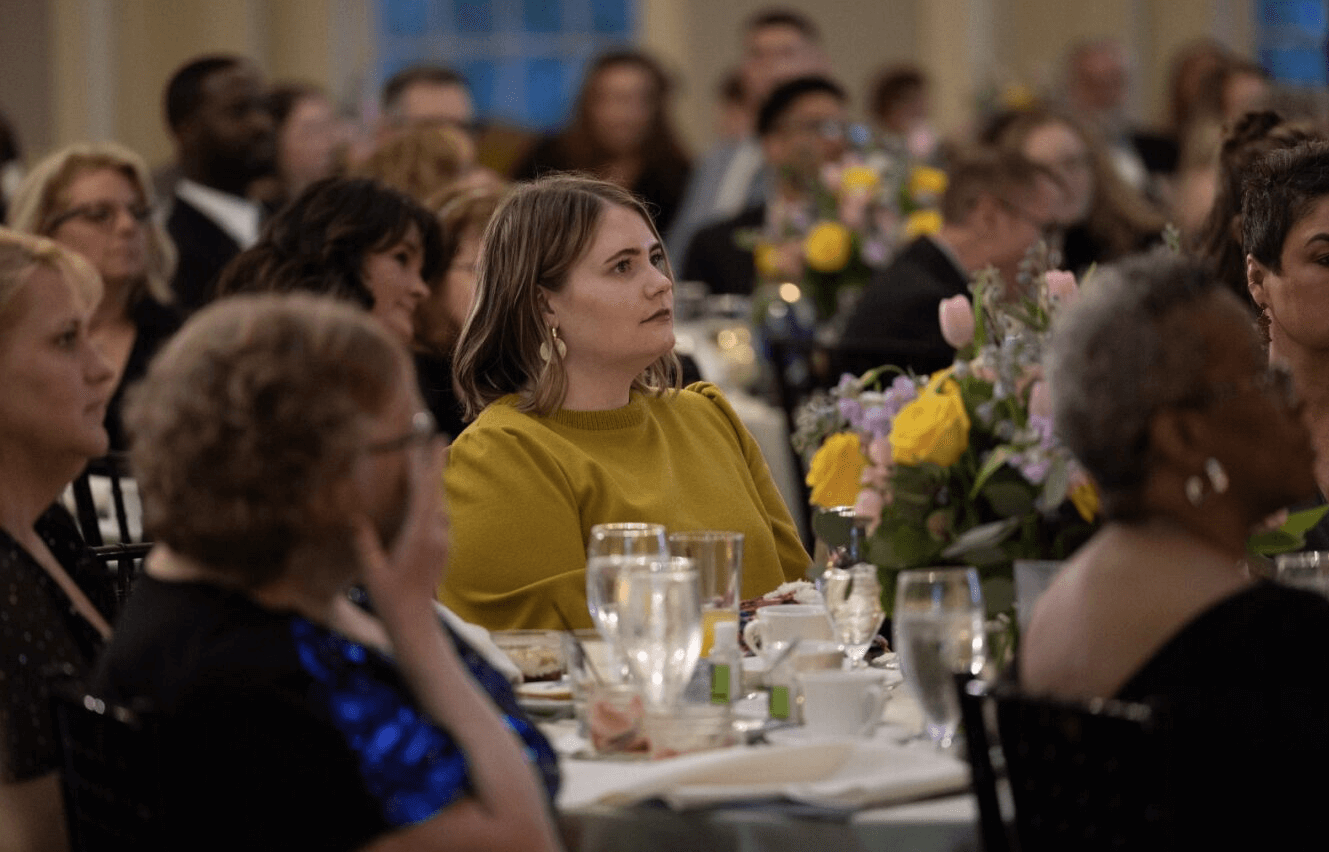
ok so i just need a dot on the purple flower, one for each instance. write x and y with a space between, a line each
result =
877 420
852 411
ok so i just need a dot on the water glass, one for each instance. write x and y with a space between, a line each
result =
659 627
939 632
610 548
718 558
1308 570
855 609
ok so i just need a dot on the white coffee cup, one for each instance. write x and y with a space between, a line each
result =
818 655
843 703
780 624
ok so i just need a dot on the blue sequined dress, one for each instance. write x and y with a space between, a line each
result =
283 734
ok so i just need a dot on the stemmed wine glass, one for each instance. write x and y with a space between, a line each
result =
939 632
612 547
659 626
854 603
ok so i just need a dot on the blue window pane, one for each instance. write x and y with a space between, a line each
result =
1302 14
474 16
611 17
548 88
542 16
1296 67
483 77
404 17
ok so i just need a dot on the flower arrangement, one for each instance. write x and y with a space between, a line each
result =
847 223
962 466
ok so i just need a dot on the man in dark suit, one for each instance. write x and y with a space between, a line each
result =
995 208
224 139
802 128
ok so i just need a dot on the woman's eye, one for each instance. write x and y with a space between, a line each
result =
624 265
67 339
658 260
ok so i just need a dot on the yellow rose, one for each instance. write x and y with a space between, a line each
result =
828 247
859 177
766 260
1084 496
933 428
922 222
835 470
925 180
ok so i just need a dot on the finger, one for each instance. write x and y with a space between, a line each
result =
367 545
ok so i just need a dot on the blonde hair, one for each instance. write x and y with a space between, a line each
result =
421 161
22 254
532 242
40 200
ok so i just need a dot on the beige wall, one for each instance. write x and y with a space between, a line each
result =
74 69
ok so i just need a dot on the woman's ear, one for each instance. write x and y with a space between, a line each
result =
1255 278
1176 439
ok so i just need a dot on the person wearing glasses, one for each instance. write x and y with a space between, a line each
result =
284 456
802 126
1104 218
995 208
97 199
1162 390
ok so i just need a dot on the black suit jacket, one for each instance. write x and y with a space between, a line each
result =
895 320
204 248
712 256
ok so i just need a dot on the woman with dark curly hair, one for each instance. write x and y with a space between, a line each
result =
351 238
620 132
1252 137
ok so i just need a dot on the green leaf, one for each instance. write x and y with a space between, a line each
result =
995 460
982 536
832 527
1299 523
1009 499
1289 537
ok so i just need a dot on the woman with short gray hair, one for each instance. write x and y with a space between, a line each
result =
1161 389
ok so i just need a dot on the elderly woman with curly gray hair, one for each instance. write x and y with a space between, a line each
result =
1162 391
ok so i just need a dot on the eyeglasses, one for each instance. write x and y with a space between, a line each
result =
1044 228
423 429
102 214
829 129
1274 380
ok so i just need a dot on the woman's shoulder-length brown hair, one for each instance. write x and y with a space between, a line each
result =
533 241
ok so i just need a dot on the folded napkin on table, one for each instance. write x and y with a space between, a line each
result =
833 773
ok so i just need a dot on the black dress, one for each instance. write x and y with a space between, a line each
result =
280 734
41 633
1247 686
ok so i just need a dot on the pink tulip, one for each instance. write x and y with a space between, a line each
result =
869 505
1061 285
1040 400
957 321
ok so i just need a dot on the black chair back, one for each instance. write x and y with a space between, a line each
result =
1088 776
111 772
124 556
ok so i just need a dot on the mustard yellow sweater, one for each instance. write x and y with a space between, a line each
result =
524 492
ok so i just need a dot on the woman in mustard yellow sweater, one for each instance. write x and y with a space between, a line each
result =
566 365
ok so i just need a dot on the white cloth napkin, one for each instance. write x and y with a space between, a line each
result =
830 773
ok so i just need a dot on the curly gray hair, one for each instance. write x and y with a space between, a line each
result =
1125 349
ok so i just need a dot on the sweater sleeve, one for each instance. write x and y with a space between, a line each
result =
516 546
794 560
